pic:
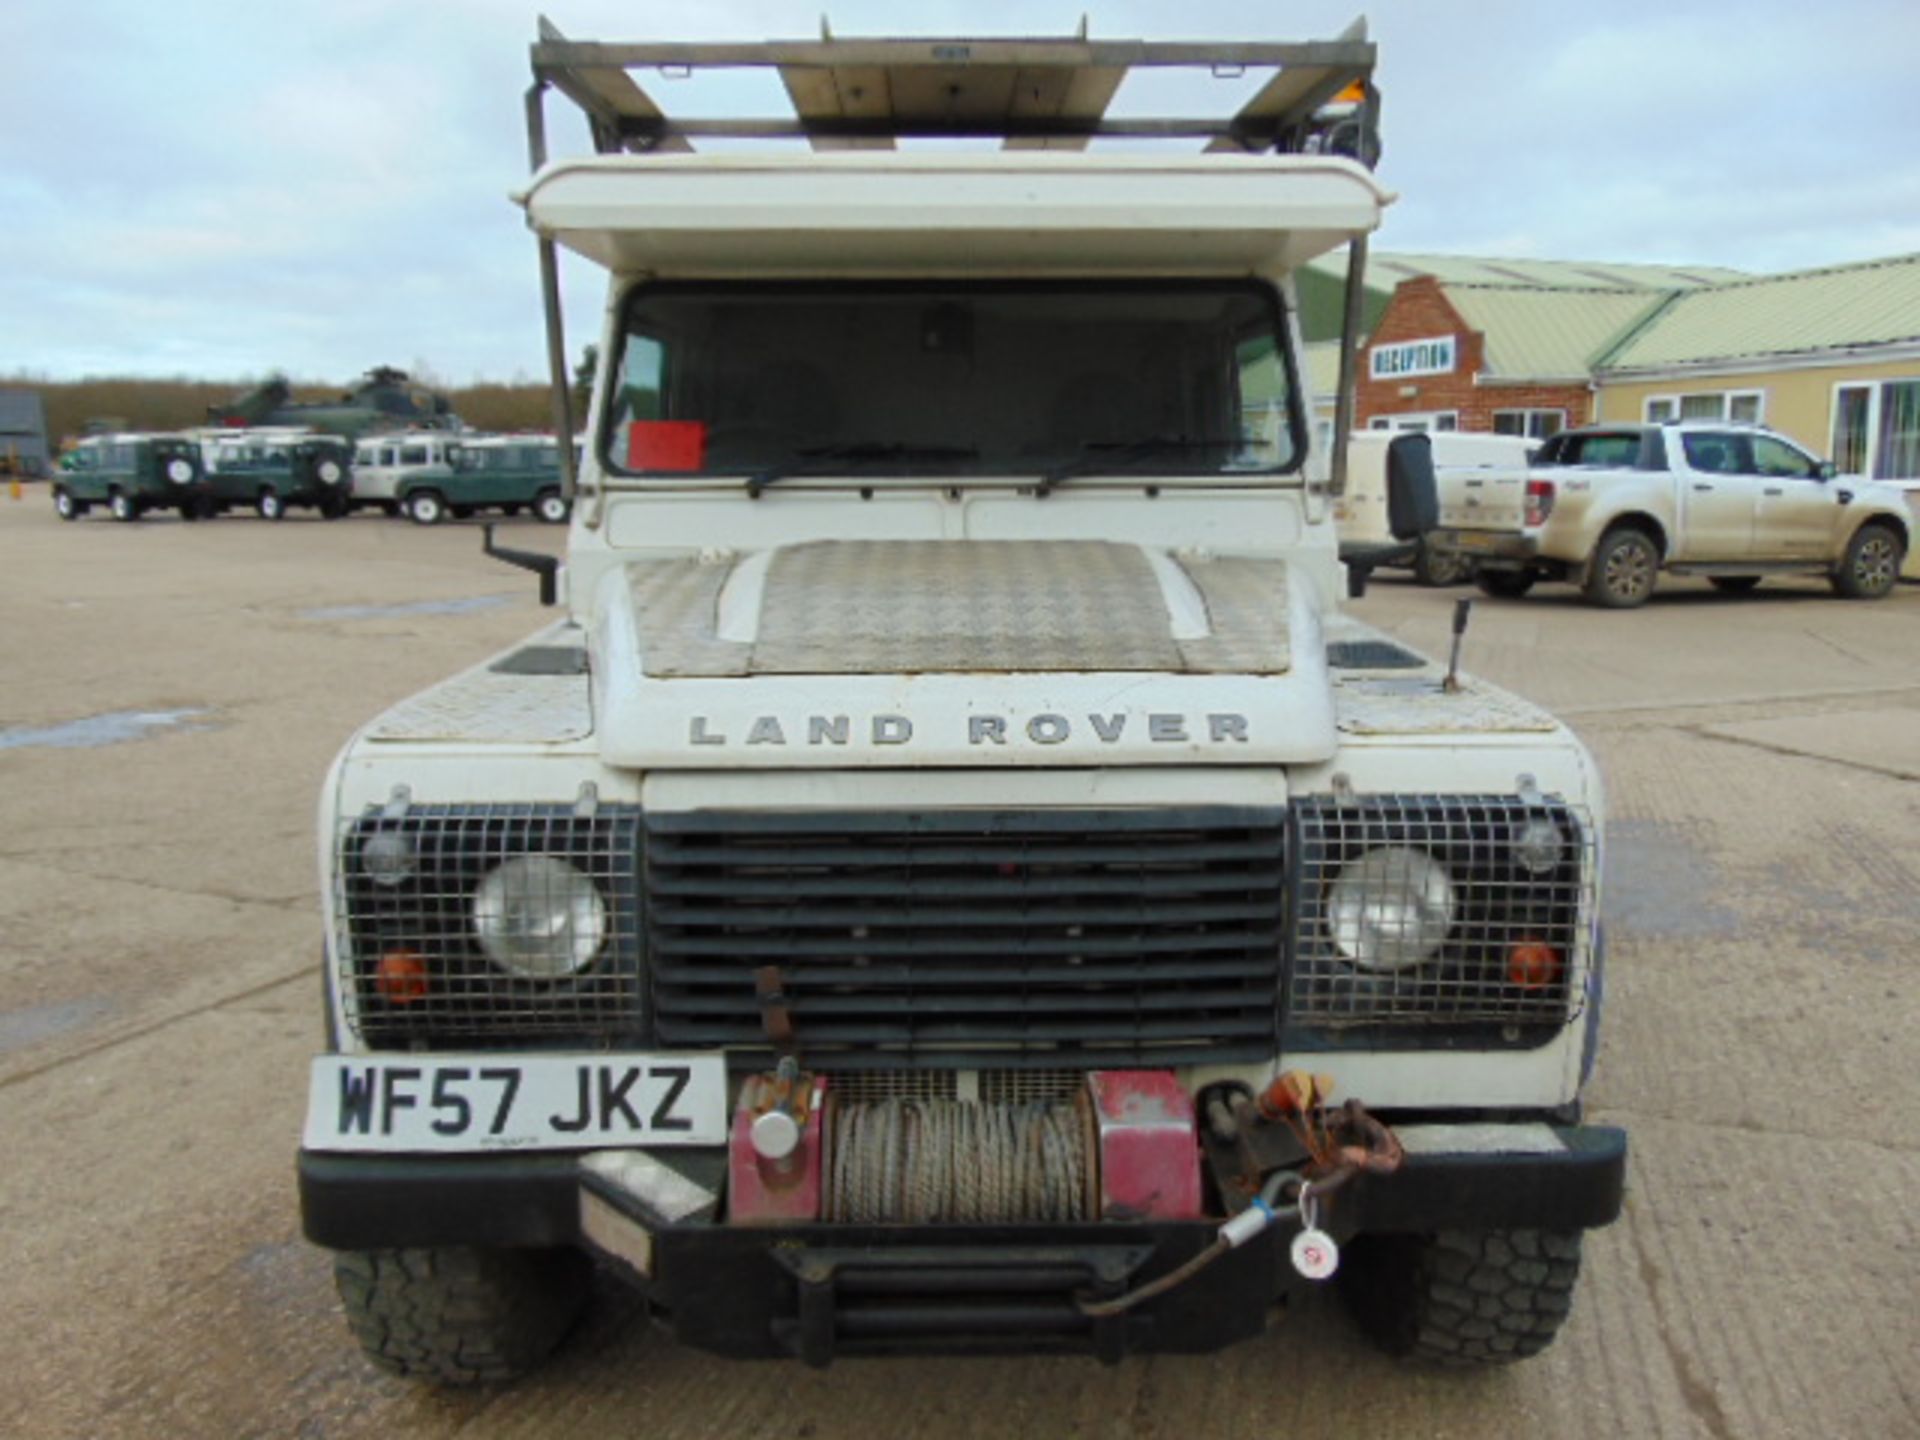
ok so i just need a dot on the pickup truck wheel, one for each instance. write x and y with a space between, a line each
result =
1434 567
1871 565
460 1316
1506 584
65 506
270 505
1621 573
551 506
425 507
1463 1298
123 506
1734 584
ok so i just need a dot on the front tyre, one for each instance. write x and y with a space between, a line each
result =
425 507
270 505
1621 573
455 1315
1463 1298
551 506
1871 565
65 506
1505 584
123 507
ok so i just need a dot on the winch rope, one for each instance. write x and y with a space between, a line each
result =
927 1160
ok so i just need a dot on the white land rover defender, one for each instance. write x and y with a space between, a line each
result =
952 878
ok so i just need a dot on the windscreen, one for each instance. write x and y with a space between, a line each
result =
1163 378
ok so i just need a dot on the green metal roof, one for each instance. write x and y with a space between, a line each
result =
1387 268
1799 313
1539 333
1392 267
1320 281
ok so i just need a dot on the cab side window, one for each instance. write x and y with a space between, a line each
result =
413 454
1777 459
1718 454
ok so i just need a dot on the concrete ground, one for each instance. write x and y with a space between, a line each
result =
158 940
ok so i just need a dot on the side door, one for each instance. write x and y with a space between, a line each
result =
1799 512
1718 494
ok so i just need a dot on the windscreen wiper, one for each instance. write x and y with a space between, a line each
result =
1100 454
825 459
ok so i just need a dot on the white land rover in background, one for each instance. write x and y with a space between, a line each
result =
952 878
382 464
1464 467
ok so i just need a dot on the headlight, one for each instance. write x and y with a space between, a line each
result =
539 918
1391 908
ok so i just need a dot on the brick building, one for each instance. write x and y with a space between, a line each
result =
1461 343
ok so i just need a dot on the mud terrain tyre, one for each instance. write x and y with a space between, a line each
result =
1463 1298
1504 584
1623 569
460 1316
1734 584
1871 566
1433 567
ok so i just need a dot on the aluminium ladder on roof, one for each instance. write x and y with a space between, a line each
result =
870 93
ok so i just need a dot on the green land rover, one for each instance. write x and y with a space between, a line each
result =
272 470
491 472
131 474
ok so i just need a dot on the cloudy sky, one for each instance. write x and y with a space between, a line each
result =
225 187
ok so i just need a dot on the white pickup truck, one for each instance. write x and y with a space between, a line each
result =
1608 507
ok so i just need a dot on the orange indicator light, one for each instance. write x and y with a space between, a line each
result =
401 977
1533 964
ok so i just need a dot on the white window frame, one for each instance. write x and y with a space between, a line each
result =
1526 422
1876 395
1676 400
1431 420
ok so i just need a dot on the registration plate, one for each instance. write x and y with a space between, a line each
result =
1467 540
524 1102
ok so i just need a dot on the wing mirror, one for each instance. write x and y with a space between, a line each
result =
1413 495
1828 470
1413 509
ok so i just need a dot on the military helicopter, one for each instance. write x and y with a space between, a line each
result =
386 399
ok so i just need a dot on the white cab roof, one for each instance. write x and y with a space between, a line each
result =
879 212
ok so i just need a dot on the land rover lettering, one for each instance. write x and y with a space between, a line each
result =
1044 728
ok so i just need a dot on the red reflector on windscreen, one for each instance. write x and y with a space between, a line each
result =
667 445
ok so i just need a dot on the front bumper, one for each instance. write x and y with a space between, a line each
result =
816 1290
1484 545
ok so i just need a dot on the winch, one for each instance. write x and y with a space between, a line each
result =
1123 1146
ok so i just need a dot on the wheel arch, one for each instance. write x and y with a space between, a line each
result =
1637 520
1893 522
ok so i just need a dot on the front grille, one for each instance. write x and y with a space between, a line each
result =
989 939
449 988
1498 904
